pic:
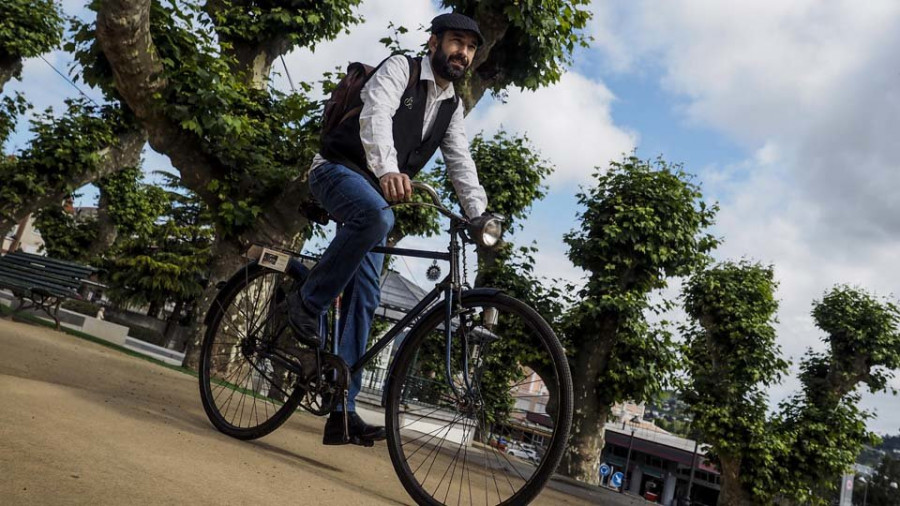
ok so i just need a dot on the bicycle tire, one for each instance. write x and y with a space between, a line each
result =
408 393
239 301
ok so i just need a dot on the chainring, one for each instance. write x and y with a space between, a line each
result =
325 389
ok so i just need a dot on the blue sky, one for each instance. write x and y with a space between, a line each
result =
785 111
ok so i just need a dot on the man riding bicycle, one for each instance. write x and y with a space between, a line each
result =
365 163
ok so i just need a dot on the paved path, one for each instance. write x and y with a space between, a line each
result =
84 424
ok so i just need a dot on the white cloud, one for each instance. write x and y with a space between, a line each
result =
569 123
809 87
362 43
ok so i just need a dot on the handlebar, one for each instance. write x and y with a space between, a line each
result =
435 201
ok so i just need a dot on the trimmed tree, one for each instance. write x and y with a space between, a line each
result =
731 358
643 222
823 425
167 262
127 207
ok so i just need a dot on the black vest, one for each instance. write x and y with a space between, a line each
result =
342 145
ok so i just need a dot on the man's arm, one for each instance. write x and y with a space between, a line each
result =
381 98
461 167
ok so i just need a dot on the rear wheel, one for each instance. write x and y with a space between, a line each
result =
246 391
450 444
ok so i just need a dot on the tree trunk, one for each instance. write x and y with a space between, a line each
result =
172 322
20 231
154 308
106 229
227 259
732 493
493 24
254 61
582 458
10 66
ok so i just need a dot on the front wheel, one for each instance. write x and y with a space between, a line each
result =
509 392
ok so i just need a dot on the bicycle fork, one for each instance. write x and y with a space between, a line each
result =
448 346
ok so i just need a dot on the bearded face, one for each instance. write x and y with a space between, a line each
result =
452 55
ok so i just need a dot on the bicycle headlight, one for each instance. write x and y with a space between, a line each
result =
491 231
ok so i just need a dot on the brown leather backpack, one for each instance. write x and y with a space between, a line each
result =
345 101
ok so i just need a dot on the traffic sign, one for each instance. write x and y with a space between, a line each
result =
617 479
604 470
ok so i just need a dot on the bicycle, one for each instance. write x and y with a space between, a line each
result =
473 368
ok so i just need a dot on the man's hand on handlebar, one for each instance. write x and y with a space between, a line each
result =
396 187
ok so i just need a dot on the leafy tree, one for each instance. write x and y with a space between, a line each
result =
126 207
10 109
823 426
731 358
513 271
238 146
168 262
643 222
27 28
84 144
64 236
513 175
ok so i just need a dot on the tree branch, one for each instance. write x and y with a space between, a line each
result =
123 30
252 61
485 70
106 229
125 153
10 66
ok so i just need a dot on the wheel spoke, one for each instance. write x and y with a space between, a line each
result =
246 393
447 447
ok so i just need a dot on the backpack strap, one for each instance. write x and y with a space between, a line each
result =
415 70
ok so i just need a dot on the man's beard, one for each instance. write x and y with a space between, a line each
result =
440 63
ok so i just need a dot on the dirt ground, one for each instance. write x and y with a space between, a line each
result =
84 424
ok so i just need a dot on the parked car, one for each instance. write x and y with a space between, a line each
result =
524 453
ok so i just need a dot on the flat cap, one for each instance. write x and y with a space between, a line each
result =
456 21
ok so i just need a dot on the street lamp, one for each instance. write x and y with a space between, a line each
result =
634 419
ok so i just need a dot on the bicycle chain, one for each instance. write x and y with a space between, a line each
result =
465 279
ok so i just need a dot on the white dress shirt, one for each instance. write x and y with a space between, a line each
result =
381 98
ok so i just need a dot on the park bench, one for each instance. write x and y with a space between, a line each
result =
44 282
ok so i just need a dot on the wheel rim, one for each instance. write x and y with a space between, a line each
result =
245 388
449 444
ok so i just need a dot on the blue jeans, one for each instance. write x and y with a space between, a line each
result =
348 265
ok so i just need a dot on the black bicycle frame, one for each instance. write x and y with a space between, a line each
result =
445 287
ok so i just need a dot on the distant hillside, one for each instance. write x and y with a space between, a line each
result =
871 456
670 414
